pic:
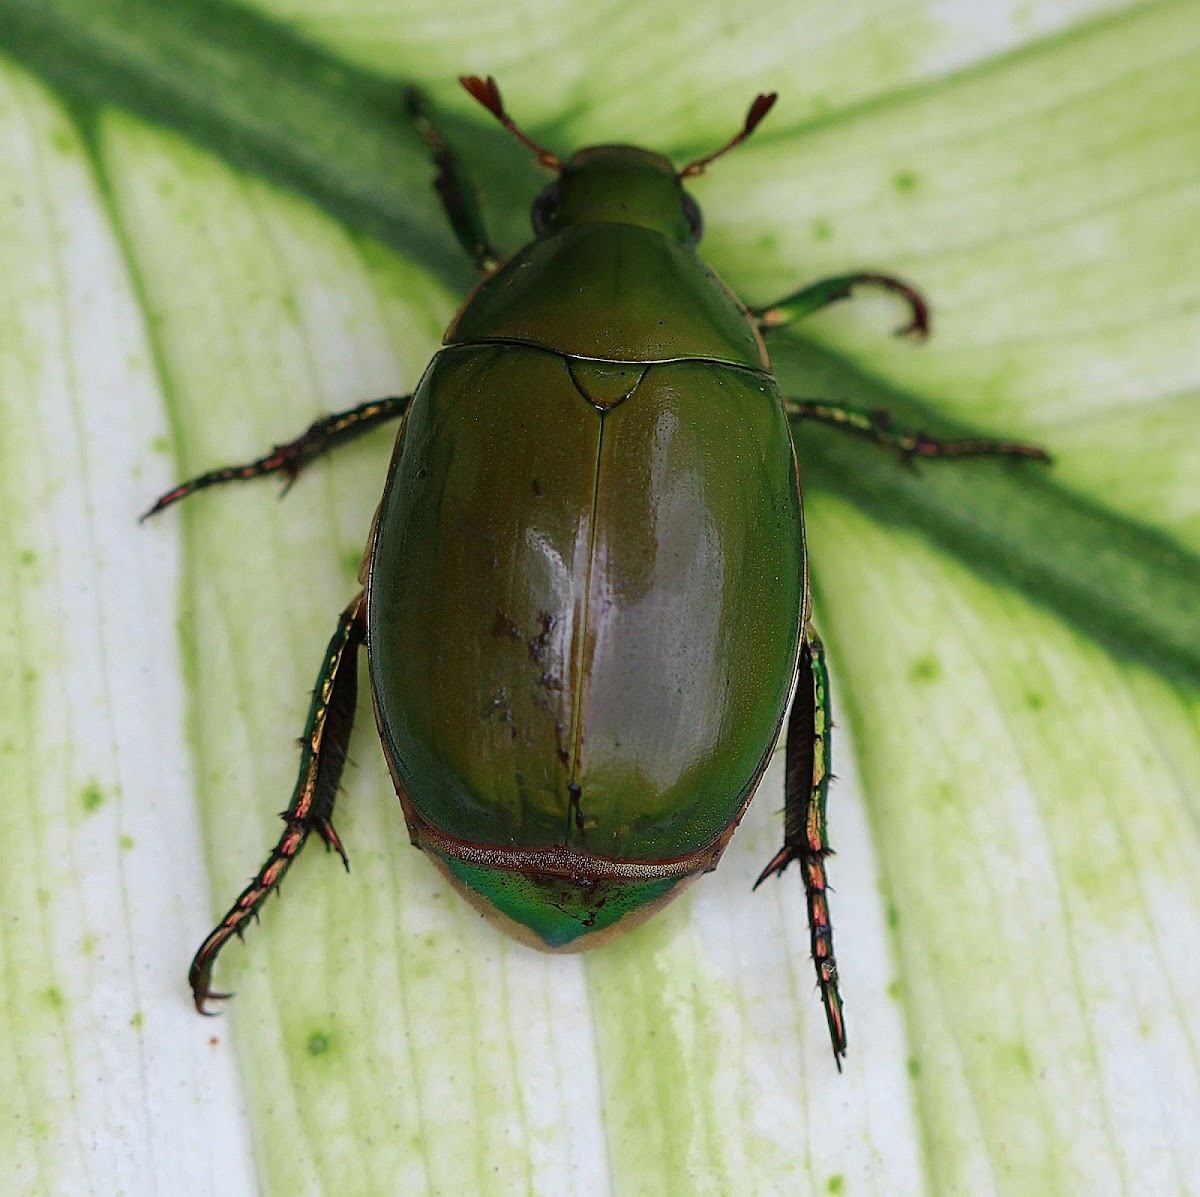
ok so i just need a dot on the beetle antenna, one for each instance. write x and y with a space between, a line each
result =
487 92
761 106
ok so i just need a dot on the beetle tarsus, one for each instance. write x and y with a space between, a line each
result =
202 995
918 324
201 999
200 974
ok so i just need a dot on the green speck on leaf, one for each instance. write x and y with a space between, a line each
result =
1035 701
27 557
893 917
1021 1059
925 669
836 1183
53 997
905 181
914 1066
318 1043
92 796
822 229
137 1020
126 842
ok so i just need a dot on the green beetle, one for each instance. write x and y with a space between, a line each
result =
586 598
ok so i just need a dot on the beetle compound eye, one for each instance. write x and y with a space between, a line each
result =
695 218
544 208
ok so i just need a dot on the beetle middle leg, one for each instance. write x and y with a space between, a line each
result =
805 838
878 425
292 456
323 756
821 294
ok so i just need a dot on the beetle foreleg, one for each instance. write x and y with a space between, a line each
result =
878 425
460 200
821 294
323 756
805 837
291 457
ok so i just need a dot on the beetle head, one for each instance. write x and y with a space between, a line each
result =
619 184
615 184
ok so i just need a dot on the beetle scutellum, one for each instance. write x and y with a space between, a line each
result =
586 596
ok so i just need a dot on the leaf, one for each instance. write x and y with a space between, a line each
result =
218 224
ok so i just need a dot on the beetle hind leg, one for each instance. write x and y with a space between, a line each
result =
805 837
323 756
